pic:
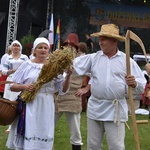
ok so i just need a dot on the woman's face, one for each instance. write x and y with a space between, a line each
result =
42 50
15 48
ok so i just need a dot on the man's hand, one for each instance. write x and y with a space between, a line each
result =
82 91
130 79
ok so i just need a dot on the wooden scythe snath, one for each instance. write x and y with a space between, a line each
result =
131 35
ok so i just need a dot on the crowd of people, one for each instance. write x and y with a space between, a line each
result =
104 73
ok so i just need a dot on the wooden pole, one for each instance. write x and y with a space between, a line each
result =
127 49
142 121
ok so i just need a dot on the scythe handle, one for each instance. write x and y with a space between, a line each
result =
127 49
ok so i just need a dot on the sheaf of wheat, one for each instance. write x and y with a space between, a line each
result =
57 63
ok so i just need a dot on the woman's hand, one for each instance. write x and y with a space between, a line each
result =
21 87
10 71
30 87
69 71
67 81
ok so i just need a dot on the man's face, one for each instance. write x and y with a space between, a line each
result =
106 43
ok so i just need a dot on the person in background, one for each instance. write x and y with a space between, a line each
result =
10 65
89 44
146 94
107 109
38 133
3 77
9 52
82 47
84 92
69 104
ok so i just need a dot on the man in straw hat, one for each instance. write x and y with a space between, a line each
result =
107 109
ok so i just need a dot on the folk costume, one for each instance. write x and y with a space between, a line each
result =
12 63
3 77
39 127
39 115
69 104
107 109
146 95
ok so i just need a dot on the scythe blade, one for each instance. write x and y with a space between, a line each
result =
134 37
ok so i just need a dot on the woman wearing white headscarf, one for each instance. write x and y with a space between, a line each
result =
38 129
10 65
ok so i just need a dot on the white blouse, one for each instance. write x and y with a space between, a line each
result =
11 63
28 72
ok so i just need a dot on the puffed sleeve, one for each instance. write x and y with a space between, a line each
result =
82 64
18 76
6 66
59 84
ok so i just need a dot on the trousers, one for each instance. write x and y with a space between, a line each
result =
73 120
115 135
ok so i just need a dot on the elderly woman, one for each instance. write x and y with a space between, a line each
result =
39 115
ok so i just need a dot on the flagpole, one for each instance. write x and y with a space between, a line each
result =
57 36
47 17
50 4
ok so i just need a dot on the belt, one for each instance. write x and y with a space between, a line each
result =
115 102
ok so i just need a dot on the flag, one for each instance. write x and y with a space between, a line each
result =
51 35
57 37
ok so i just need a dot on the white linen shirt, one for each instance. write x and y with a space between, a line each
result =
108 84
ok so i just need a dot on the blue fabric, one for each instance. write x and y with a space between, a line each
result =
21 109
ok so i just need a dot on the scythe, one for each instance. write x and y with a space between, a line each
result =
131 35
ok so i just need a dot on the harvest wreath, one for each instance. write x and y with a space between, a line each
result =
58 61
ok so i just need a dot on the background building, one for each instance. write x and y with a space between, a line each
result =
80 16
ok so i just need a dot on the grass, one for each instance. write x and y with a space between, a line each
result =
62 135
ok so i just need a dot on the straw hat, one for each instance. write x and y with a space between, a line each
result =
109 30
72 40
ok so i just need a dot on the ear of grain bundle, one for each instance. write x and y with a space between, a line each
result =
57 63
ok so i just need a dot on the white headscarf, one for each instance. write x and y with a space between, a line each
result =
16 42
40 40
